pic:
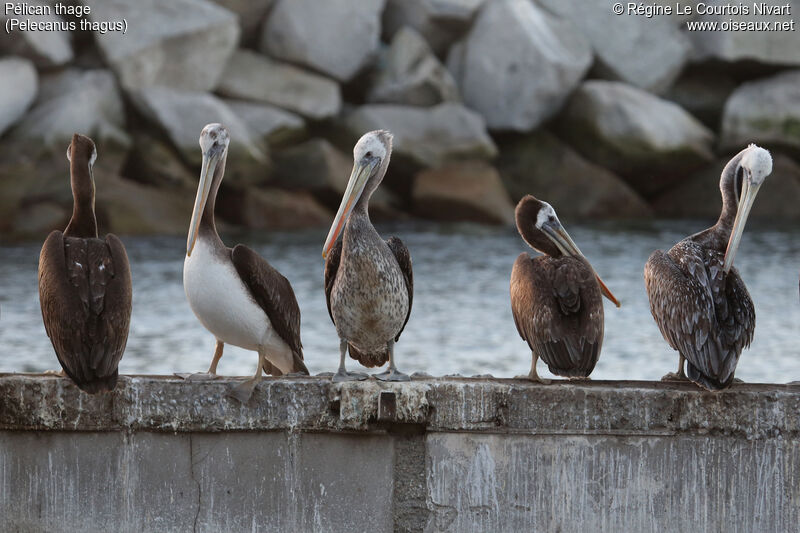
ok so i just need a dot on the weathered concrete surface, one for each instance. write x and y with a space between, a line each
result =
431 455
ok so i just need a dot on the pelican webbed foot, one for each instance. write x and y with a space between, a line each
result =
244 391
196 376
58 373
675 376
536 378
343 375
392 375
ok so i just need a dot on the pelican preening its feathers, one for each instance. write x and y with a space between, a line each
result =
85 285
556 298
238 296
369 285
697 298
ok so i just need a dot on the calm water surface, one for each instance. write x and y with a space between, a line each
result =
461 320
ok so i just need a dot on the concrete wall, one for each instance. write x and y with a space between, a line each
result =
445 455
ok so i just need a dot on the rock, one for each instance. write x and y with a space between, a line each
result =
39 219
182 44
335 37
518 64
251 14
412 75
272 209
650 142
428 136
251 76
765 112
699 196
154 162
661 48
440 22
18 86
70 101
469 191
181 115
542 165
763 46
273 125
318 167
703 92
46 49
128 208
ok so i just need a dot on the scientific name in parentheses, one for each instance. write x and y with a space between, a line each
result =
60 9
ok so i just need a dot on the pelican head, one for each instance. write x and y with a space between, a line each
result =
753 168
370 158
214 140
539 226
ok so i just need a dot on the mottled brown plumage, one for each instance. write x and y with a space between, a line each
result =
556 298
704 312
369 283
85 286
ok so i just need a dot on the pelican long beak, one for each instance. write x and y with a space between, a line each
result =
355 186
748 197
209 165
567 246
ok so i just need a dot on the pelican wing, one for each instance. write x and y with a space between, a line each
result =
331 268
274 294
85 296
403 257
703 313
558 311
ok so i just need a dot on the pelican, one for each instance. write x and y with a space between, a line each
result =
85 285
556 297
697 298
238 296
369 284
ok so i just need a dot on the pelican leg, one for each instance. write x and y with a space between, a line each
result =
342 374
244 391
680 375
533 375
392 374
212 370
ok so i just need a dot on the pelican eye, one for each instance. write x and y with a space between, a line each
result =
368 154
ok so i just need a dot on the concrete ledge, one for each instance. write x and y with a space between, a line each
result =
159 403
433 455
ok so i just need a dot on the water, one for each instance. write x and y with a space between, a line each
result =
461 320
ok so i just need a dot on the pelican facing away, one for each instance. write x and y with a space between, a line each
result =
238 296
697 298
556 298
369 285
85 285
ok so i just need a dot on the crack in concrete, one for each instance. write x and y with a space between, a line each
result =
199 489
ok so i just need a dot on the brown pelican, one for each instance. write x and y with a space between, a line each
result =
369 285
85 285
556 298
700 303
238 296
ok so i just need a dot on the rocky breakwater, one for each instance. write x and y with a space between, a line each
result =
607 116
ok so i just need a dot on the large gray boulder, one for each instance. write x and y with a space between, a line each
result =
440 22
410 74
699 196
703 92
18 86
469 191
251 76
335 37
428 136
646 52
755 44
542 165
181 43
650 142
765 112
46 49
518 64
272 209
181 115
275 126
